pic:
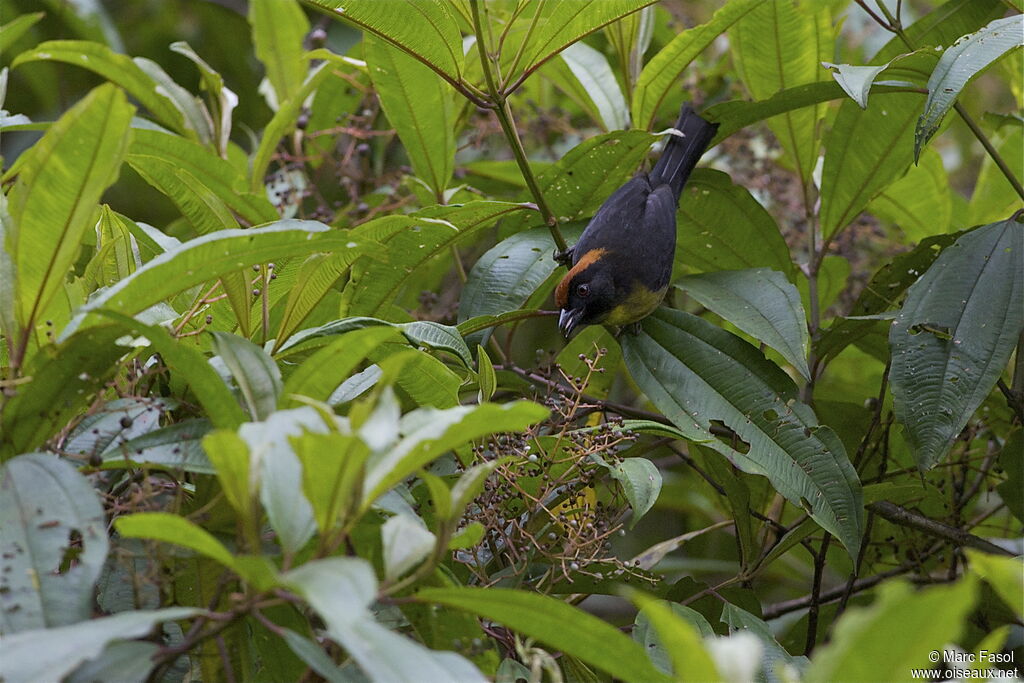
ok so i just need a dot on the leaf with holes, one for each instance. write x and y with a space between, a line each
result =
699 376
53 543
961 63
954 336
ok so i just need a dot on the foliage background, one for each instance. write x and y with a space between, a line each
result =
297 451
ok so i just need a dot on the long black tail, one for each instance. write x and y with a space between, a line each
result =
682 153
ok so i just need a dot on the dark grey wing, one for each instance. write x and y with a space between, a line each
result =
617 223
657 242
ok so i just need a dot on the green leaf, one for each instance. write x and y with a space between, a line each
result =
64 381
775 656
331 467
684 643
661 74
426 29
127 660
316 277
177 447
507 275
419 105
424 235
341 589
545 619
210 256
696 373
722 227
44 505
486 377
954 335
1003 574
318 660
869 148
469 486
229 455
993 197
117 68
1011 490
920 202
53 202
441 431
737 495
856 81
322 373
943 26
116 422
204 210
278 29
222 100
418 333
193 368
560 23
406 541
196 116
779 45
762 303
51 654
15 28
283 121
899 630
255 372
959 64
596 80
152 150
882 293
641 484
169 528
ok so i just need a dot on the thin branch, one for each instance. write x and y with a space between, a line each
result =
815 605
958 537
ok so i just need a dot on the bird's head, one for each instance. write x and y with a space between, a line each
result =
586 294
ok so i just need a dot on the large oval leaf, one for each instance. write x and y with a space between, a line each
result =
954 335
44 505
722 227
699 375
762 303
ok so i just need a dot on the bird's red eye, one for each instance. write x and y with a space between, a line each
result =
583 290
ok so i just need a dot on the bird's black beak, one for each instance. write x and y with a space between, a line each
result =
567 321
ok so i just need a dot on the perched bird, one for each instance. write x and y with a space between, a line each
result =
620 268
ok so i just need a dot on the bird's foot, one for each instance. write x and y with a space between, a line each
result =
563 258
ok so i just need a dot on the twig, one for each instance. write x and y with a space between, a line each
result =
958 537
815 606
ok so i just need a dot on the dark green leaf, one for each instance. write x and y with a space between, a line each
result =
697 374
762 303
722 227
954 335
959 64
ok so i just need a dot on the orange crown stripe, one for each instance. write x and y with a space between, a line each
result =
588 259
